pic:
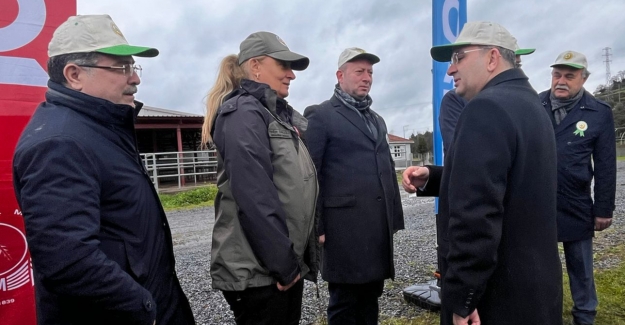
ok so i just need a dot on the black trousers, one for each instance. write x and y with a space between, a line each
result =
355 304
266 305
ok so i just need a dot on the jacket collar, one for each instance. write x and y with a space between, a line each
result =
96 108
265 95
586 102
508 75
355 118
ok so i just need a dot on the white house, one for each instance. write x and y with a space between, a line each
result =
400 150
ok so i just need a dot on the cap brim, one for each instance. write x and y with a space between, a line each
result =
372 58
572 65
524 51
442 53
298 62
124 50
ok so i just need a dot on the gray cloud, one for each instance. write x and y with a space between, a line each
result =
194 35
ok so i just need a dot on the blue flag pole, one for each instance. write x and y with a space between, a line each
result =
448 18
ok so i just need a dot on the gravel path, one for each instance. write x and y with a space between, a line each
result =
415 259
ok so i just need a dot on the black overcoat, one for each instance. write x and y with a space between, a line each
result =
576 168
498 209
359 198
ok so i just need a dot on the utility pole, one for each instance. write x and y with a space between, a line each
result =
621 79
608 76
607 55
405 130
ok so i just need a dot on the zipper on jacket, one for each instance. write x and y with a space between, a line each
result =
310 161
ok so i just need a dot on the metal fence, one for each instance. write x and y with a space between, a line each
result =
175 170
179 169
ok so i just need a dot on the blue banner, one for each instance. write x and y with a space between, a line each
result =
448 18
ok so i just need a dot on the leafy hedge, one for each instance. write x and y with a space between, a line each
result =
199 196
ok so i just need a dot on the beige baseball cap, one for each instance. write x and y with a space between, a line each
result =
93 33
270 44
476 33
353 53
572 59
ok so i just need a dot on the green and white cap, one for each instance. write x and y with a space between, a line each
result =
271 45
524 51
476 33
93 33
572 59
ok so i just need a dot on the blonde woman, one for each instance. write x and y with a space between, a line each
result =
263 238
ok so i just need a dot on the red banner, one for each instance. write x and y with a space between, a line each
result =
26 27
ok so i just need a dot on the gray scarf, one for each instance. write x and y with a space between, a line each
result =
561 107
359 106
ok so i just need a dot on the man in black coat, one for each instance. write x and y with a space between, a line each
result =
100 242
359 197
497 205
451 108
584 127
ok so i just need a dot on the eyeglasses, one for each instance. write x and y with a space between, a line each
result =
457 56
127 69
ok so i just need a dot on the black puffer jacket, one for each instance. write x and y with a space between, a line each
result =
98 236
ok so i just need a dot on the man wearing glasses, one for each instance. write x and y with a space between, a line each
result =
497 212
452 105
100 242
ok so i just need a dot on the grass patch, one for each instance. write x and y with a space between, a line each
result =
620 158
426 318
199 197
610 285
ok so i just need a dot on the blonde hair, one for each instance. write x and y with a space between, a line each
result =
228 78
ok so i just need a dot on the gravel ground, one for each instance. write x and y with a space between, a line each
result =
415 259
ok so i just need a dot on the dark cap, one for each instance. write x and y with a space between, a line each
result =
270 44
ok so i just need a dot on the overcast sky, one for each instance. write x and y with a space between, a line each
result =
194 35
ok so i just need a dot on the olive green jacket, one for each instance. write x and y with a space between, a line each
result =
264 229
